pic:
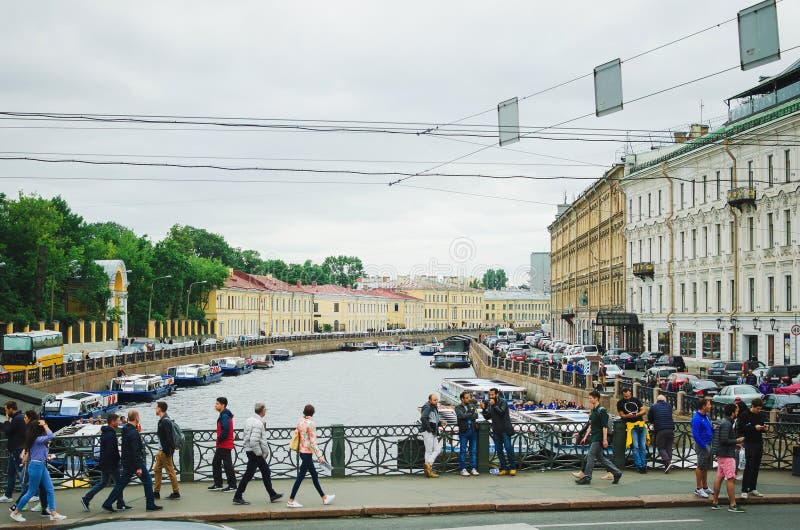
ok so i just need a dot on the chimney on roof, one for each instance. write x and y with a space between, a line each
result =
680 137
269 276
313 284
696 130
299 284
385 279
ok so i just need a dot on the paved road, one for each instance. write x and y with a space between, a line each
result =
782 516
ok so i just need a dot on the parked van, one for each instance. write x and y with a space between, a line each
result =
507 334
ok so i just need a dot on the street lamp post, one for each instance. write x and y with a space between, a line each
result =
188 294
150 307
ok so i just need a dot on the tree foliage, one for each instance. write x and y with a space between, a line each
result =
495 279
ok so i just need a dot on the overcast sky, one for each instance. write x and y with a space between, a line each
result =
410 61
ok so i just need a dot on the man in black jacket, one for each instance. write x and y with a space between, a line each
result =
109 462
725 442
752 427
14 429
164 457
467 417
133 462
496 411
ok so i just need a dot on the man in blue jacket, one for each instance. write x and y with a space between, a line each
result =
109 462
14 429
702 433
133 463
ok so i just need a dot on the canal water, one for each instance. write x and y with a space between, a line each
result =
350 388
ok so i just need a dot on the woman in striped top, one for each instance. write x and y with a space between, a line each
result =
307 431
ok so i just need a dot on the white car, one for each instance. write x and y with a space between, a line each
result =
612 371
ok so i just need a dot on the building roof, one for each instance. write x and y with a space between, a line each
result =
390 293
429 283
784 78
516 294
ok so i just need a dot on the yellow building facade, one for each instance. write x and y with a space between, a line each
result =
516 308
587 266
446 305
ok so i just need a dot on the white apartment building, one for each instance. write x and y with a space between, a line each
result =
712 232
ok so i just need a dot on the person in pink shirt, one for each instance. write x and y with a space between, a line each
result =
307 431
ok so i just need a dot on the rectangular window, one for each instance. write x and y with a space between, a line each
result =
682 203
660 242
630 247
650 249
771 293
770 173
787 166
641 301
750 234
650 298
660 298
751 288
711 345
732 297
630 210
683 298
718 228
659 202
770 231
336 307
750 173
788 221
694 193
694 243
788 286
683 245
719 185
688 343
719 296
694 297
649 204
705 296
705 189
640 257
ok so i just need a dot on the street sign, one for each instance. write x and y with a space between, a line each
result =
796 330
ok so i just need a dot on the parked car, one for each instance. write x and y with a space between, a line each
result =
661 372
671 360
783 403
517 355
728 372
626 360
691 384
72 357
132 349
782 374
613 371
645 360
729 394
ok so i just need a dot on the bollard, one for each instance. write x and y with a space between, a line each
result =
620 453
337 451
681 408
483 447
186 456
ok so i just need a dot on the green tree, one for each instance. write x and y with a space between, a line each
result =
345 270
495 279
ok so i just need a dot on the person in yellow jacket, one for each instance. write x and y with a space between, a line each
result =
632 411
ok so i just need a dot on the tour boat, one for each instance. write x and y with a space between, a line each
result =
431 348
370 345
138 387
234 365
351 346
67 407
282 354
406 345
262 361
451 388
386 346
451 360
195 374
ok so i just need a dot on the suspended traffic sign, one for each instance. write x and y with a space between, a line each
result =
508 121
758 35
608 88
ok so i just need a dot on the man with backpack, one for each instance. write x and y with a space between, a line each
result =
597 433
163 459
724 445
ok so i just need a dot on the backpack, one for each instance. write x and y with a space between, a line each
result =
178 437
609 425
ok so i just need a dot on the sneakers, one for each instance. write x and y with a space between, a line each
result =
474 472
709 491
214 487
584 481
578 475
669 466
57 517
464 473
35 498
154 508
616 478
744 495
17 517
35 508
739 477
503 472
328 499
124 507
700 492
755 493
6 499
715 506
241 502
109 509
275 497
736 509
513 472
46 513
85 504
228 489
174 495
293 504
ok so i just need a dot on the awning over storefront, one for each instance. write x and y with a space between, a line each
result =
612 318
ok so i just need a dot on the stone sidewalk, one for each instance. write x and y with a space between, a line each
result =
406 495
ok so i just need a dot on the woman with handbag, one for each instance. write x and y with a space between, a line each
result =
304 441
38 502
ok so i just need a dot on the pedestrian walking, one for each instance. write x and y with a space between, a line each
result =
467 419
429 425
222 455
37 438
702 433
660 416
726 459
632 411
256 447
307 433
30 417
133 463
752 427
597 435
165 456
109 463
495 409
14 429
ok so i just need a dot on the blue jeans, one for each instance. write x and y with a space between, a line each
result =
124 478
14 463
38 476
502 444
106 475
306 466
467 442
639 447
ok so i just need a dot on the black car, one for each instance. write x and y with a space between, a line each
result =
782 374
646 360
671 360
728 372
627 360
785 403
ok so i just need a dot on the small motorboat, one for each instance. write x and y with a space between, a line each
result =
68 407
282 354
451 360
195 374
138 387
431 348
387 346
262 361
231 366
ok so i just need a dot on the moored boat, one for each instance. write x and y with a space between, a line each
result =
195 374
431 348
451 360
388 346
262 361
282 354
451 388
231 366
369 345
67 407
351 346
138 387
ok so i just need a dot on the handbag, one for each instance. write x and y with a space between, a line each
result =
294 443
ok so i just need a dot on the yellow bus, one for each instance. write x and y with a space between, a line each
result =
26 350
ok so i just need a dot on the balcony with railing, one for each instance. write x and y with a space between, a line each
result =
742 196
644 270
